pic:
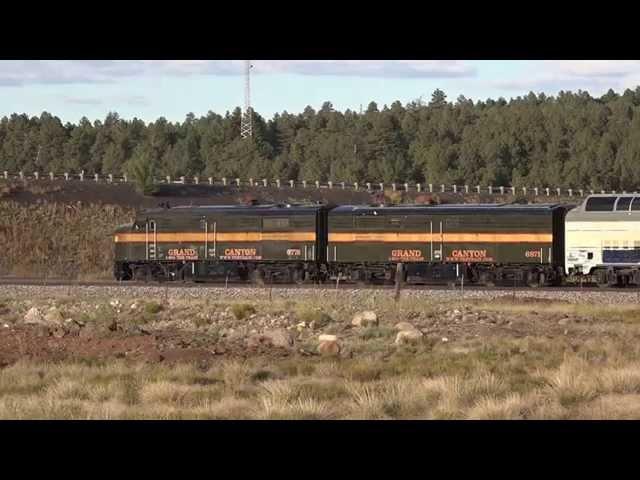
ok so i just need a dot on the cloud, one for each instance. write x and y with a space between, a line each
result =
27 72
135 100
82 101
595 76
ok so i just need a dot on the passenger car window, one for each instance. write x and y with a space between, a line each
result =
600 204
623 204
635 206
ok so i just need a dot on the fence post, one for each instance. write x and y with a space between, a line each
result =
381 187
442 188
406 187
96 177
51 176
330 183
524 191
36 175
490 189
501 190
210 180
111 178
6 175
431 188
182 180
581 191
291 183
418 187
455 189
278 182
613 192
547 190
124 177
21 173
393 187
264 182
168 178
224 181
570 192
355 186
478 188
602 192
196 180
466 189
237 182
317 183
558 190
368 186
304 184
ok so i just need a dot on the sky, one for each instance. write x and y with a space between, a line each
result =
149 89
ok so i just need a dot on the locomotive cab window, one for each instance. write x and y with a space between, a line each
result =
623 204
600 204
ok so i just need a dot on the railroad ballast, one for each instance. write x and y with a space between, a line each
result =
536 244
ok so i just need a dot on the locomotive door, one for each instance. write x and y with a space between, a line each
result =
151 239
436 247
210 238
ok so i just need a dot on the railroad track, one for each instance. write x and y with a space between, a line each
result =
56 282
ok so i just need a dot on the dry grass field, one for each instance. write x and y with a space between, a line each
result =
206 358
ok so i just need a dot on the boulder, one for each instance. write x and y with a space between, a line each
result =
54 317
365 319
327 338
34 317
408 336
329 348
404 326
277 338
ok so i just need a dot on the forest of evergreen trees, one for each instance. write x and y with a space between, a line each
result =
571 140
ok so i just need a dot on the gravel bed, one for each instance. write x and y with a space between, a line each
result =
353 294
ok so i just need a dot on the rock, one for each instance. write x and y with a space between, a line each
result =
408 336
279 337
445 339
365 319
404 326
563 321
54 316
329 347
134 306
327 338
59 332
34 317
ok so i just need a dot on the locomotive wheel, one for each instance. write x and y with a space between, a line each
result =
298 276
487 279
535 279
257 276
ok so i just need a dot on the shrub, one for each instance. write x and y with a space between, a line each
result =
153 308
242 310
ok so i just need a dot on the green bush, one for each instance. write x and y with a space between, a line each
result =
153 308
242 310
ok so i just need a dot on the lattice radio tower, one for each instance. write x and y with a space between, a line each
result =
246 130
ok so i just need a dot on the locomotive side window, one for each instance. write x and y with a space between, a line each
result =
623 204
275 223
600 204
635 206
